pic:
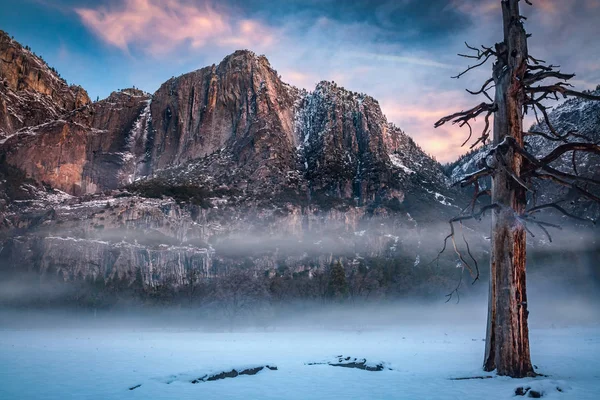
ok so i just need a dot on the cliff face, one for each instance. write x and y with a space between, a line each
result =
227 165
255 135
30 92
240 101
329 142
119 236
93 148
345 136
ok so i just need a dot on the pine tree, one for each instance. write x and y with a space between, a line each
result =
337 287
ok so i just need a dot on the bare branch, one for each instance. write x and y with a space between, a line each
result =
561 138
483 56
562 89
476 197
562 149
477 215
483 89
545 74
470 133
460 256
574 187
462 116
526 227
555 206
536 164
485 134
553 174
546 119
574 162
455 291
451 236
541 225
473 177
472 258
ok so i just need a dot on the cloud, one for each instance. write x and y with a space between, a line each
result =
401 52
417 116
159 26
299 78
406 59
475 8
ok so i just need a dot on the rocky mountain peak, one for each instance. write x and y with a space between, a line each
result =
234 125
31 92
242 58
127 93
333 88
154 185
203 111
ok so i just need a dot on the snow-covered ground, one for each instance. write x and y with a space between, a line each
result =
103 363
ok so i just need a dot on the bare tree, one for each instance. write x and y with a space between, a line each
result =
239 293
519 83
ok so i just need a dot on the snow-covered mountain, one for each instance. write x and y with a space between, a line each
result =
574 115
156 183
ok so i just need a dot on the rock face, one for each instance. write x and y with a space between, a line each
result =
345 135
30 92
220 166
241 101
93 148
329 142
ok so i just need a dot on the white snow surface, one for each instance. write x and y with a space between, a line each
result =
103 363
397 162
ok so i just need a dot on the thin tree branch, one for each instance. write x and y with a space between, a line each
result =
562 149
555 206
483 56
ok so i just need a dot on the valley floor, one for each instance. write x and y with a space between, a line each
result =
103 363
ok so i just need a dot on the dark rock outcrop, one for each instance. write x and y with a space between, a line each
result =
234 373
353 362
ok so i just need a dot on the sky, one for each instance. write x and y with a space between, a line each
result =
401 52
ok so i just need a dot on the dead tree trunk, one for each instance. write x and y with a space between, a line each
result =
507 342
520 83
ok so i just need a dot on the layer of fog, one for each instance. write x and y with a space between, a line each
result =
550 305
561 291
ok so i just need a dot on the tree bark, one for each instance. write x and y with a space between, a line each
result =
507 343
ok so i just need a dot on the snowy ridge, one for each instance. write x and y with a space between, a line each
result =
577 114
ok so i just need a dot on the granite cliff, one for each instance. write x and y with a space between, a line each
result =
227 165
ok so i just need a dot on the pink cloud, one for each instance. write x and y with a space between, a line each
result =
417 118
476 8
157 26
249 34
301 79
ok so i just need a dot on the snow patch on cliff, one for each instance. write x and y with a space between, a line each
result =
397 162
